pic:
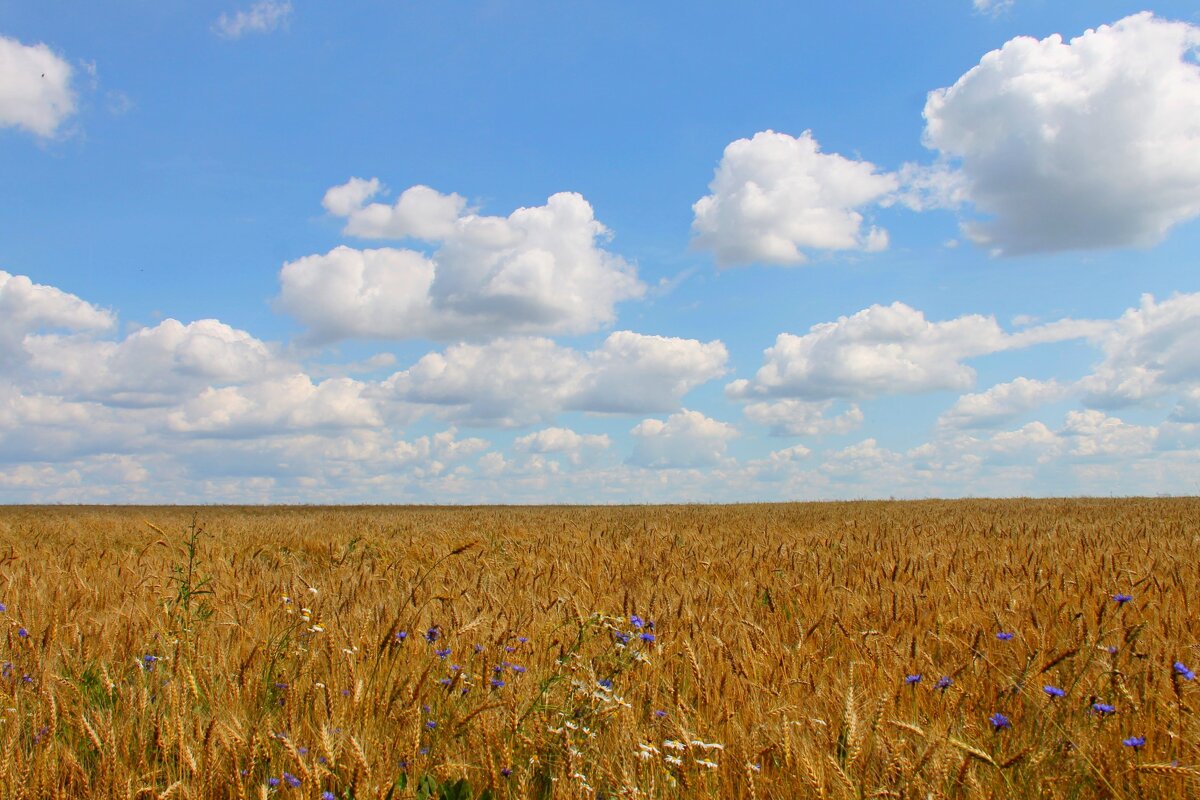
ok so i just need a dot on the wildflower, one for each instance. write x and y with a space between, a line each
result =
1111 650
302 751
497 683
1184 672
676 760
671 744
912 680
660 713
1122 599
1103 709
24 634
442 653
636 621
430 724
505 771
1004 636
401 636
508 648
522 639
3 608
623 638
272 782
1136 742
432 634
445 681
753 767
291 780
328 795
423 751
517 668
1053 691
478 648
456 667
706 763
647 637
943 683
999 721
606 683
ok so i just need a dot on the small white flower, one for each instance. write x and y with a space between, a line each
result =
676 760
707 764
671 744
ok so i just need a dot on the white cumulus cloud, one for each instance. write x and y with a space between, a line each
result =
35 88
1001 403
775 196
1081 144
540 270
790 417
28 308
685 439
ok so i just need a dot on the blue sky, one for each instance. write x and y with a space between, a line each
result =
268 251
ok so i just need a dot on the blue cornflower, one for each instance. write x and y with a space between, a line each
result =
636 621
456 668
522 639
1053 691
943 683
497 683
424 751
1136 742
623 638
660 713
478 648
1184 672
912 679
1004 636
1111 650
505 771
442 653
1122 599
999 721
3 608
291 780
517 668
432 634
606 683
647 637
430 724
149 660
445 681
328 795
24 634
302 751
401 636
1103 709
508 648
272 782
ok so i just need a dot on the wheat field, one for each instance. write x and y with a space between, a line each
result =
932 649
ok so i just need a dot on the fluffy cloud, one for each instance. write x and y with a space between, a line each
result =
686 439
574 446
539 270
803 418
992 6
286 404
775 195
519 381
888 350
1148 352
1001 403
152 366
1091 143
27 308
35 88
262 17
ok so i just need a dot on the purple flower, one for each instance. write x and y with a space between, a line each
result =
522 639
272 782
442 653
943 683
606 683
24 634
999 721
505 771
647 637
508 648
328 795
1184 672
1053 691
912 680
660 713
1122 599
478 648
623 638
291 780
1004 636
432 634
636 621
1136 742
517 668
401 636
1103 709
1111 650
3 608
497 683
430 724
445 681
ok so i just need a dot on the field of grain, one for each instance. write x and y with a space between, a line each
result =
919 649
